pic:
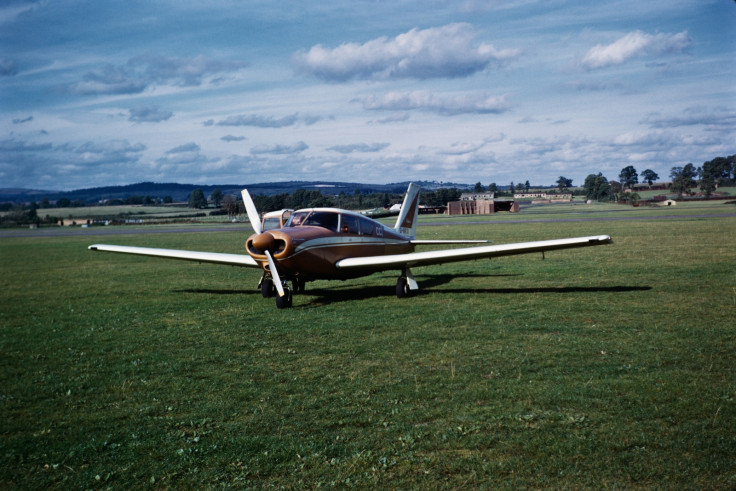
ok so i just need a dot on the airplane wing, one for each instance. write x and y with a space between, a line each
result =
201 257
400 261
450 241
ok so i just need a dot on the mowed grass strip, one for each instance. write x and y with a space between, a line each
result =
611 366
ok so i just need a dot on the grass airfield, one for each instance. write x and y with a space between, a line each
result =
613 366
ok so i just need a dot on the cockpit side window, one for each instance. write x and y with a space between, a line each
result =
366 226
271 223
324 219
349 224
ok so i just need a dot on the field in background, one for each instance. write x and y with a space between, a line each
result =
613 366
172 212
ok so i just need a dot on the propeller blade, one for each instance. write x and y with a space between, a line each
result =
275 274
250 209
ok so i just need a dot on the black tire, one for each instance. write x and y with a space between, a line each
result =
402 288
299 285
285 301
267 288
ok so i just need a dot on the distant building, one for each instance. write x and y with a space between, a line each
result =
477 196
544 197
481 206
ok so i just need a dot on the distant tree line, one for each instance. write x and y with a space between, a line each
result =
721 171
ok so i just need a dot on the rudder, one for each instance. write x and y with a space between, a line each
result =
406 223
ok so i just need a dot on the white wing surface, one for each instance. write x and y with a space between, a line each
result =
400 261
201 257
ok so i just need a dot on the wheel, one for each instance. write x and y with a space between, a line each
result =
285 301
267 288
402 288
299 285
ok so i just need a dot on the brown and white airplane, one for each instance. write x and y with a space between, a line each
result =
329 243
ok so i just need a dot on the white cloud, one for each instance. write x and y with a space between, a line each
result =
635 44
187 147
446 52
279 149
8 67
260 121
718 118
359 147
232 138
474 103
148 70
150 114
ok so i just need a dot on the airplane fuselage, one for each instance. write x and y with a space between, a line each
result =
310 249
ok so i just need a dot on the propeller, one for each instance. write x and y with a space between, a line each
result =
255 222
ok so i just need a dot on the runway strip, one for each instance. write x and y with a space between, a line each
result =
246 230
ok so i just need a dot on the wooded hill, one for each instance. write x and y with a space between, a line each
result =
181 192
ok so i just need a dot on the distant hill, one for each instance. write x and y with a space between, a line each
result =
181 192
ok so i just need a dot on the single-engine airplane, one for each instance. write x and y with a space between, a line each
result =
330 243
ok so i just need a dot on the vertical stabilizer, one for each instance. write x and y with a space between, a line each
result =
406 224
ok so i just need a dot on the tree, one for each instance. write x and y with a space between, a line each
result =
597 187
526 186
683 178
720 169
616 193
707 183
230 204
216 197
478 187
197 199
563 183
649 176
628 177
492 188
168 199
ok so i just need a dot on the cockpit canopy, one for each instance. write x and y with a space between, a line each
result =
334 221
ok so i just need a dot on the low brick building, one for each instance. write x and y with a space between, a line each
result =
481 206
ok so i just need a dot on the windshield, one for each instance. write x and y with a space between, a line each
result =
297 219
324 219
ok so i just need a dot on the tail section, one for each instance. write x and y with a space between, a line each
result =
406 224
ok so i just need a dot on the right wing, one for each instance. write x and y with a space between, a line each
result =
201 257
400 261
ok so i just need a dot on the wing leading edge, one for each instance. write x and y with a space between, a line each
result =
400 261
201 257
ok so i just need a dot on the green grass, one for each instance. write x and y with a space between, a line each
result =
609 367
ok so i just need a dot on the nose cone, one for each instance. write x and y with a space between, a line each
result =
264 242
273 241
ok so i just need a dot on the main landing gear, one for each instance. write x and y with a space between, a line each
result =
405 284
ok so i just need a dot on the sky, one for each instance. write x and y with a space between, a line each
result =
96 93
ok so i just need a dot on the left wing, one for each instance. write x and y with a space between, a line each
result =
202 257
400 261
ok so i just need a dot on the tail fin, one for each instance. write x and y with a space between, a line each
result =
406 224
